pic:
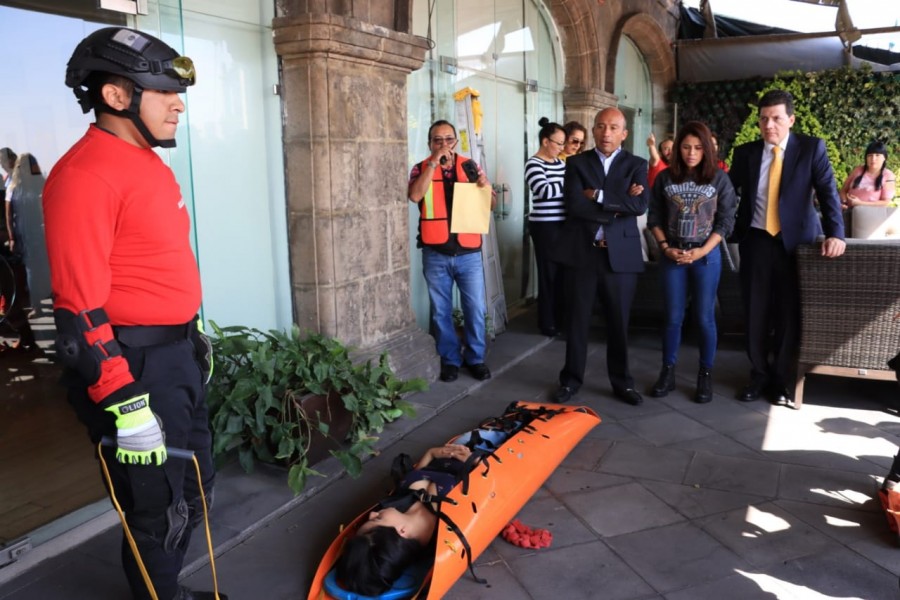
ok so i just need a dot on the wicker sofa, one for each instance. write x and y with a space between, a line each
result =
851 311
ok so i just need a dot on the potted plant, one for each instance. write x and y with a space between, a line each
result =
278 397
459 323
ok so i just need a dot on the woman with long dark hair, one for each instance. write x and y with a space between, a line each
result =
399 531
691 211
871 184
544 173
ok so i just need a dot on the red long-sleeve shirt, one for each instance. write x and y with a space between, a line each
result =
118 237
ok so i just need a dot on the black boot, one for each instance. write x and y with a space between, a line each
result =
665 383
704 386
188 594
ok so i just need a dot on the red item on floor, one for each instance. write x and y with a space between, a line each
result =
524 536
890 502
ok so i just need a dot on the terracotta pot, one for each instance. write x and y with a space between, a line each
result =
332 411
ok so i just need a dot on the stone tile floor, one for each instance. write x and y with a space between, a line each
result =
666 500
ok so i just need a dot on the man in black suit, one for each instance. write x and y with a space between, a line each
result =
605 191
769 227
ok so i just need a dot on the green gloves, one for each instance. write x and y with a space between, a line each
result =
140 437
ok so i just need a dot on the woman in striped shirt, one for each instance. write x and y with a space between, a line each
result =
544 174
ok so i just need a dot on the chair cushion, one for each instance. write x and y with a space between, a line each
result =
649 246
875 222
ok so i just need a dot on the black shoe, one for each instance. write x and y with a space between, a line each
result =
186 594
563 394
629 395
704 387
665 383
479 371
550 332
753 391
449 372
782 397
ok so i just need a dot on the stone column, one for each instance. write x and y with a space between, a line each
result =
345 138
582 105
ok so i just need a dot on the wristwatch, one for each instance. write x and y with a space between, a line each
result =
432 164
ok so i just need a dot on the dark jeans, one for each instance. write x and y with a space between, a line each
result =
161 504
699 281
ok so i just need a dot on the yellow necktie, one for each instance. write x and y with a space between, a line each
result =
773 221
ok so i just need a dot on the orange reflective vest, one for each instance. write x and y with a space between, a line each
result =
434 219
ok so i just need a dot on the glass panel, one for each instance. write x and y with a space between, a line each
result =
635 96
419 86
476 34
429 98
514 42
230 167
40 117
550 73
504 105
498 45
237 131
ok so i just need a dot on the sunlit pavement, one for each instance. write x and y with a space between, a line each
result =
669 499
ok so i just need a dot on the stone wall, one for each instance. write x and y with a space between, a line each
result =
344 90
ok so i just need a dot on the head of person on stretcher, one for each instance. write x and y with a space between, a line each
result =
392 539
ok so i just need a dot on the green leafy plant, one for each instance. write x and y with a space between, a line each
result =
805 121
260 380
846 107
459 322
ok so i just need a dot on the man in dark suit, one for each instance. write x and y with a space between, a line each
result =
775 178
605 191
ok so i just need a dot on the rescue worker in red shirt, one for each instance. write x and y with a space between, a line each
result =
126 292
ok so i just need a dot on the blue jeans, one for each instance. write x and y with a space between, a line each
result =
700 281
441 272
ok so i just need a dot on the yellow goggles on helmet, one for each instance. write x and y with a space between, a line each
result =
184 68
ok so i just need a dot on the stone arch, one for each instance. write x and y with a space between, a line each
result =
578 26
654 46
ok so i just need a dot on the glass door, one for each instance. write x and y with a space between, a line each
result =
508 51
50 479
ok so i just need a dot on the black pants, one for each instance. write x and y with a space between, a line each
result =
771 294
161 504
551 293
616 291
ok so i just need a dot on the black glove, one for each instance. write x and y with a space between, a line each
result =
471 170
203 351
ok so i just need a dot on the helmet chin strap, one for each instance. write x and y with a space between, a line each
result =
132 113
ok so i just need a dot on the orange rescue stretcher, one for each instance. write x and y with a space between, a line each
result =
480 507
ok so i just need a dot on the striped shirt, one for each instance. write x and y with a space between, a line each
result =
545 179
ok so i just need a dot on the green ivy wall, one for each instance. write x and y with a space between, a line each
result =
846 107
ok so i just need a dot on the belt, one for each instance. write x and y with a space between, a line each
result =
685 245
138 336
600 243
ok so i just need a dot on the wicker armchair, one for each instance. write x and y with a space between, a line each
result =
851 311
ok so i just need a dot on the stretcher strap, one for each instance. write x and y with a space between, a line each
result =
467 549
476 458
130 538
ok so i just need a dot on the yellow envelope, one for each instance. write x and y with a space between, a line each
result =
471 208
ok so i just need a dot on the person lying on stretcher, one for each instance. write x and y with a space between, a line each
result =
399 531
